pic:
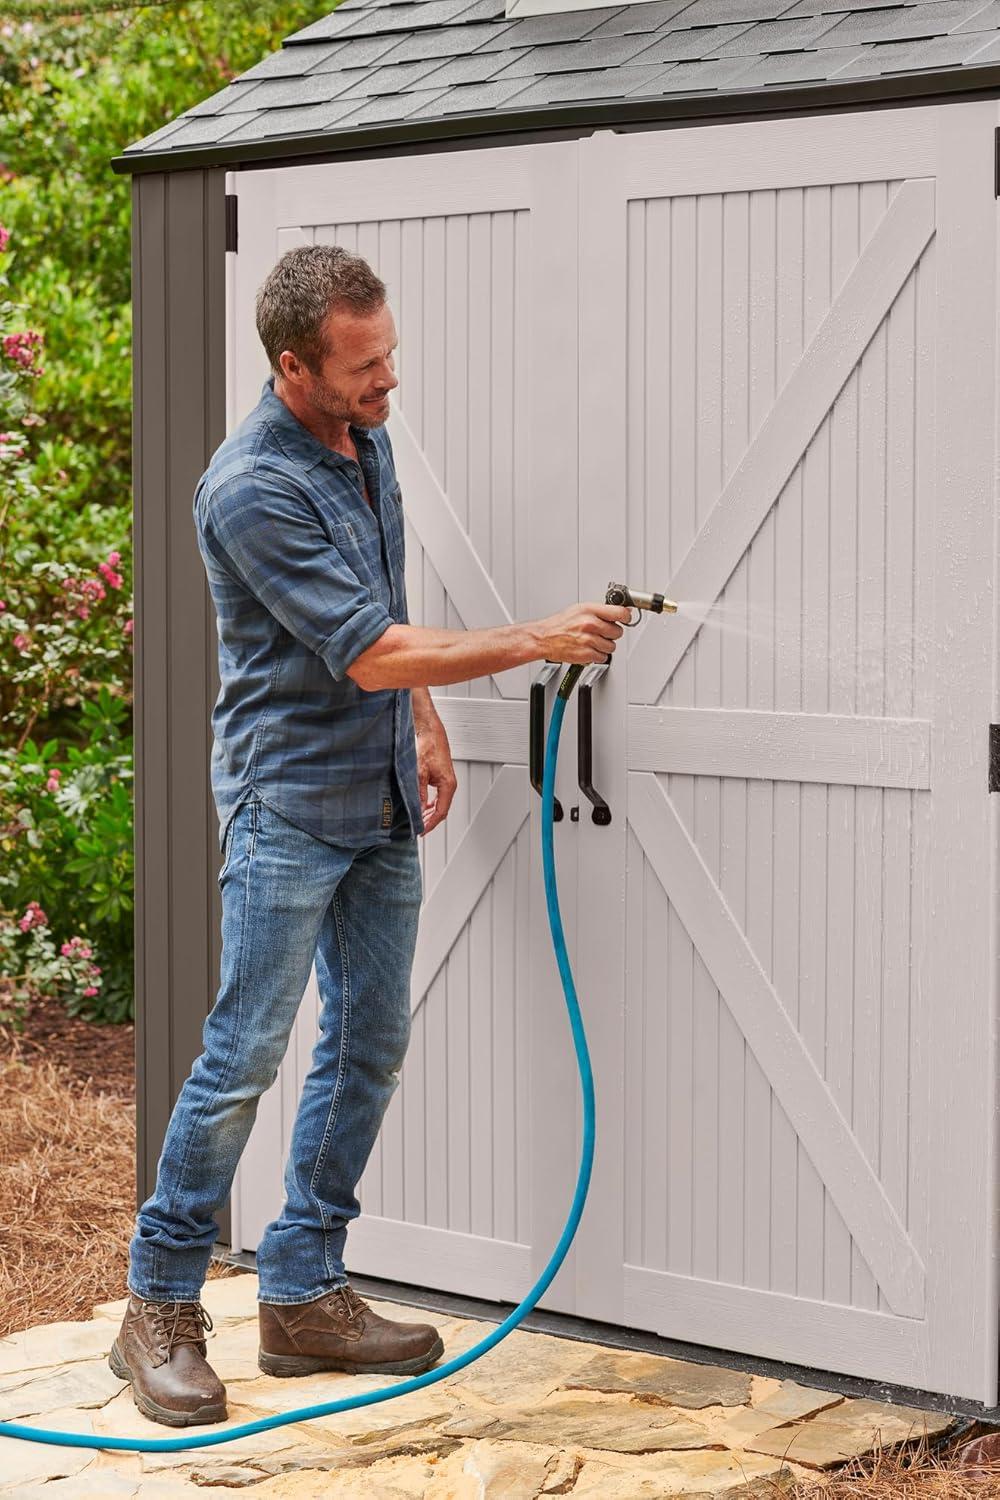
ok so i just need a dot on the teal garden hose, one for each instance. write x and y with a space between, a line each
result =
439 1372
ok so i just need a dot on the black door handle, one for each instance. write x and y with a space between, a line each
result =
536 724
601 812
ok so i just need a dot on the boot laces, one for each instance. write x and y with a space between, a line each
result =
353 1304
179 1322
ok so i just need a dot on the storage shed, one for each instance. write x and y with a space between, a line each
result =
700 295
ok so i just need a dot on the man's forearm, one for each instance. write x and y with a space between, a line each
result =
415 656
425 715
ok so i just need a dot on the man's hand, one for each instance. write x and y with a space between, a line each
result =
434 763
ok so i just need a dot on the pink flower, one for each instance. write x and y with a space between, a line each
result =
22 644
127 627
113 578
91 989
2 605
33 917
4 238
83 611
52 785
23 348
66 950
113 557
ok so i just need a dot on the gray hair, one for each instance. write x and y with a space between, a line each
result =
301 291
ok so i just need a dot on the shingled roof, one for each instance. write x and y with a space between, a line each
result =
378 71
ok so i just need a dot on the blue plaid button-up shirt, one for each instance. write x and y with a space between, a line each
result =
305 575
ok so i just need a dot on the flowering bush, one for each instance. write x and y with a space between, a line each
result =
31 967
65 669
66 849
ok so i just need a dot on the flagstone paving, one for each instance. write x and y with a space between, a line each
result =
536 1416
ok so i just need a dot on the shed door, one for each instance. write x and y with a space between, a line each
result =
787 423
478 251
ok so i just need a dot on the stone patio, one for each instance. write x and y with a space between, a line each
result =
536 1416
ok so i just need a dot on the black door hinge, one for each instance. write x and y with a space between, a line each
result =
995 757
232 226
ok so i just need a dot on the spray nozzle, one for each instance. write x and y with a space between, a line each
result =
620 593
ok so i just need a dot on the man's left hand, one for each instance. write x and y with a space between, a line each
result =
435 769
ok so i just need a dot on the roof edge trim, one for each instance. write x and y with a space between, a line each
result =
777 99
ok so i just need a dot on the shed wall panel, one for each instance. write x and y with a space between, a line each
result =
179 344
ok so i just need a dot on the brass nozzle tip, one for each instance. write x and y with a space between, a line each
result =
669 607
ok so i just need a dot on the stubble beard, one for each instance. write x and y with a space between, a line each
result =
333 403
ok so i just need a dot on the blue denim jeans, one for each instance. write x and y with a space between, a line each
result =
288 898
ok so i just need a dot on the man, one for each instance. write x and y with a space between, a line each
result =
327 746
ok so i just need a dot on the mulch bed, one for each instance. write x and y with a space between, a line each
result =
67 1167
83 1051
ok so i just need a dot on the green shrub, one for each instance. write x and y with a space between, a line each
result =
66 837
79 83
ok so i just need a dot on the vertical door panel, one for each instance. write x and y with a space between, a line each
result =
774 374
458 1191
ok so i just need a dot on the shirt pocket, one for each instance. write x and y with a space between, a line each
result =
360 546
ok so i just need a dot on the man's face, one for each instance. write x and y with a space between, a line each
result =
354 381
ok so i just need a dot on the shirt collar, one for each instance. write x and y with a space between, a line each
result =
295 440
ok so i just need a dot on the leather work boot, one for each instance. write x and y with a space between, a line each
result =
340 1332
161 1350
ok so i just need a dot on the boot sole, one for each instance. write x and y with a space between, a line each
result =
285 1365
153 1410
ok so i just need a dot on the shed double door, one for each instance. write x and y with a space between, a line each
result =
731 363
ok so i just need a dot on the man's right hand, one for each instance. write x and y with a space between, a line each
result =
583 633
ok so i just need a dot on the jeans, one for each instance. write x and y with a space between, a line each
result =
288 898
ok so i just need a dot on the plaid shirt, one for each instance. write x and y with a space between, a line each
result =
305 575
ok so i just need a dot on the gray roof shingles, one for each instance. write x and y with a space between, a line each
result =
370 62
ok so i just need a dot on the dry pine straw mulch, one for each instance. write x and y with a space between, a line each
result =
67 1205
67 1167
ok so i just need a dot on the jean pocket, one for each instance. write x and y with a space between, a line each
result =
227 847
245 810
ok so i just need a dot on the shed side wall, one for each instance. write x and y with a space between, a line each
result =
179 342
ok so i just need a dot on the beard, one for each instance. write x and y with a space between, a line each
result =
326 398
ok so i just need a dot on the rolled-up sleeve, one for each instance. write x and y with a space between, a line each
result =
270 537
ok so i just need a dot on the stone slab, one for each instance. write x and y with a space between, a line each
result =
847 1431
54 1344
22 1460
266 1395
92 1484
672 1382
696 1476
122 1418
792 1402
84 1384
506 1471
523 1367
625 1427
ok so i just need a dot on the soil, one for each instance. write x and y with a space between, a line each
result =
86 1052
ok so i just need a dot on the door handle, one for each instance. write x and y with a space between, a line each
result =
536 727
601 812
